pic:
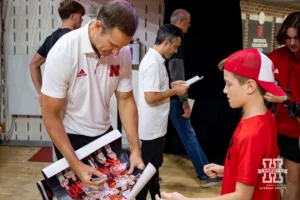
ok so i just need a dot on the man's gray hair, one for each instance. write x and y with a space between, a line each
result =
178 16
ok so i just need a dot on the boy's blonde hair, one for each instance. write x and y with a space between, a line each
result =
242 80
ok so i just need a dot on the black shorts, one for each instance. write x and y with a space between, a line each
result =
78 141
289 147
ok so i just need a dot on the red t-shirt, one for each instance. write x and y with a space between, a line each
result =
254 139
287 72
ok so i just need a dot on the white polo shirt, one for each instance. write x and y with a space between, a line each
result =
153 77
73 71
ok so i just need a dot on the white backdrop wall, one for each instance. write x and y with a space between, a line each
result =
27 24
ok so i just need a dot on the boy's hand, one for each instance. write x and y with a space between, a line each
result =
213 170
274 99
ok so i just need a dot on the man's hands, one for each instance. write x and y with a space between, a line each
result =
85 173
135 161
180 82
274 99
187 109
178 87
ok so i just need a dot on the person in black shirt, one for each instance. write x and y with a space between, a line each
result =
71 13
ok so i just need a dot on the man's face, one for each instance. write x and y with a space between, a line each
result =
236 93
110 41
292 40
185 24
77 20
171 48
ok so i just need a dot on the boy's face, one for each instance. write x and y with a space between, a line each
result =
236 93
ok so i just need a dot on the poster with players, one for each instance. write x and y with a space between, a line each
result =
108 159
260 32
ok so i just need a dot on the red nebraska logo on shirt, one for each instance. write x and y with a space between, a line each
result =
81 73
114 70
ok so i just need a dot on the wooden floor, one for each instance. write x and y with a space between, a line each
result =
18 177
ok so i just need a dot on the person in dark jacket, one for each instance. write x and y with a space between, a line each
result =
180 110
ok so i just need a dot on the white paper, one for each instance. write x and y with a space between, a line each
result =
62 164
145 177
191 102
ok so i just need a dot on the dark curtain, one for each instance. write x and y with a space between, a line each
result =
215 33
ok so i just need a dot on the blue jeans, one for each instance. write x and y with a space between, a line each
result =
188 137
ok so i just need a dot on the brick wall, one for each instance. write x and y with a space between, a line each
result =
255 7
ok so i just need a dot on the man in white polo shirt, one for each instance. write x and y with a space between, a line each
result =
83 70
154 101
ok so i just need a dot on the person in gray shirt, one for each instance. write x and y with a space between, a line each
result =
180 110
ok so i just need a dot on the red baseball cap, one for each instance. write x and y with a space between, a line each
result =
255 65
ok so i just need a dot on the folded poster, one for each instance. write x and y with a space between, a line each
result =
104 155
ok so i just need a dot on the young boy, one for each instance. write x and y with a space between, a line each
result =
253 148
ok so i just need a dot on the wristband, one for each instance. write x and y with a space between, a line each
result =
287 101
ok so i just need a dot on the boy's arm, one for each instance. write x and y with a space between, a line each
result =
242 191
251 153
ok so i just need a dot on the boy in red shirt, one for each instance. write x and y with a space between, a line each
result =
253 148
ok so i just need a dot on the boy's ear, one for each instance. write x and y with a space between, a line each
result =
252 86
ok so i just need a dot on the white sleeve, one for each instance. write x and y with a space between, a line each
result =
125 83
151 79
56 75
